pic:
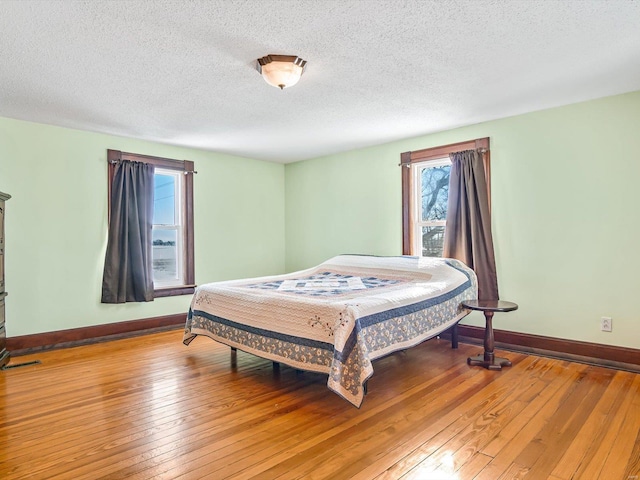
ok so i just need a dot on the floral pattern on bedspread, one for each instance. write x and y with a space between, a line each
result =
315 357
346 341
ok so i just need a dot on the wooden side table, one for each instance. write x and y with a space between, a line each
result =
489 307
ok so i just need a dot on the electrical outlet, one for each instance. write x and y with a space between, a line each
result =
606 324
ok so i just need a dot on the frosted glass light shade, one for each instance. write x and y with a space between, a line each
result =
281 71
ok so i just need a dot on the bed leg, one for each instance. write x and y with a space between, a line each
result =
234 358
365 387
276 366
454 336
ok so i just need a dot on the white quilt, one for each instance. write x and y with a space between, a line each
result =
337 317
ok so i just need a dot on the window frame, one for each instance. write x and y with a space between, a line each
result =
187 168
408 159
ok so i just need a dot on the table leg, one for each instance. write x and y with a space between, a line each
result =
488 359
454 336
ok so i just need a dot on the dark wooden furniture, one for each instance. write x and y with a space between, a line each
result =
4 355
489 307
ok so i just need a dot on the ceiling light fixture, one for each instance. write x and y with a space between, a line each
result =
281 70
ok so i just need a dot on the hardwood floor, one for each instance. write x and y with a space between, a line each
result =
150 407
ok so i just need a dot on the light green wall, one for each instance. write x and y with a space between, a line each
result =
56 224
564 218
565 214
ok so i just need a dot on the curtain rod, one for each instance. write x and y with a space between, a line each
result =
114 162
479 150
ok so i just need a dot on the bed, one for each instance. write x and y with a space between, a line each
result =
338 317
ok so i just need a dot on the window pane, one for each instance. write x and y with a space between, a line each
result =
432 241
165 257
435 192
164 200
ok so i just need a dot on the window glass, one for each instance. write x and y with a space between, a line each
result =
165 256
167 228
432 241
435 192
431 180
164 200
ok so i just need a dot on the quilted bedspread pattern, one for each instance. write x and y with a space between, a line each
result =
337 317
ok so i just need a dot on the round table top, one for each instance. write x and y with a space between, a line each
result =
490 305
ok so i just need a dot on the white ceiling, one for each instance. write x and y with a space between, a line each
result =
182 72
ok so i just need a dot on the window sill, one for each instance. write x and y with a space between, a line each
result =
174 291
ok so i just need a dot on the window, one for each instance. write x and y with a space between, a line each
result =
425 194
168 263
430 204
172 234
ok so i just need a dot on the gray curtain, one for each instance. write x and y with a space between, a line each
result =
128 269
468 230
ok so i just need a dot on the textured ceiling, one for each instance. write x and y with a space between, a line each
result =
182 72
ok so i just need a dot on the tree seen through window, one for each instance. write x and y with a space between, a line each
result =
434 188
